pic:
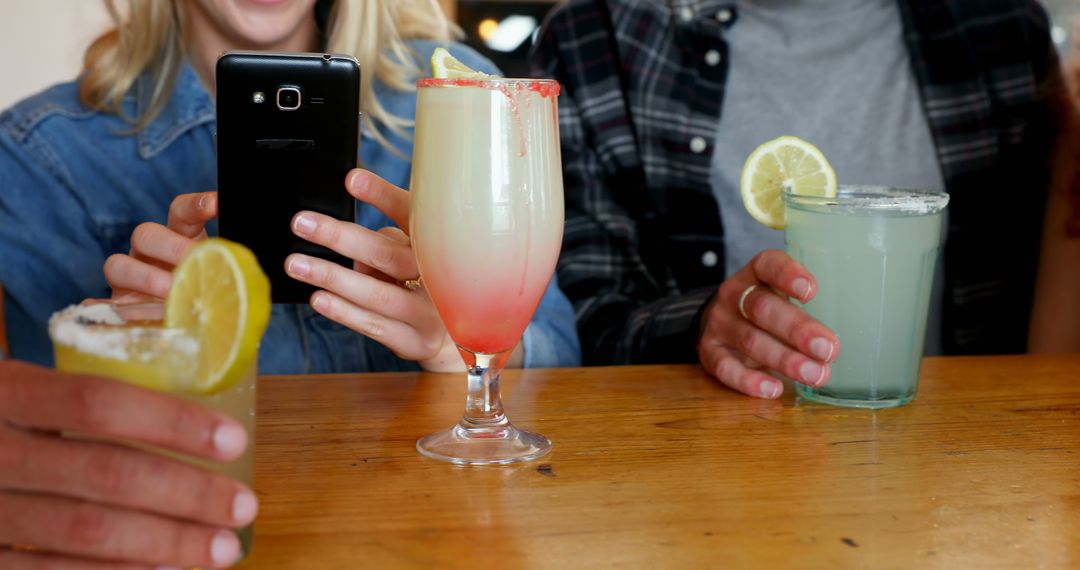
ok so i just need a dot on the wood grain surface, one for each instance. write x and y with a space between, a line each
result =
661 467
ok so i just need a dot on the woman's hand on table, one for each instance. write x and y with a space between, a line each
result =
372 299
750 325
80 504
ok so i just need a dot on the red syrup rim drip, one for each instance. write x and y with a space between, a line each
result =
542 87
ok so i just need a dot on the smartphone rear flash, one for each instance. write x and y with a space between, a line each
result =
258 97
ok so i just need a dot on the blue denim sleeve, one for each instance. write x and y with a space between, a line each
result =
550 340
50 256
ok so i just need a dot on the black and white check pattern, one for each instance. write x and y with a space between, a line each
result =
643 85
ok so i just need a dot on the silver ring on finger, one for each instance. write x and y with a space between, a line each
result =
742 300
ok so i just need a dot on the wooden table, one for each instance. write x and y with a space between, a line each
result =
661 467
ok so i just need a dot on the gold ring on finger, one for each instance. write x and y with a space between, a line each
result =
742 300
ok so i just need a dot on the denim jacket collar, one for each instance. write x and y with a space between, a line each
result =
189 106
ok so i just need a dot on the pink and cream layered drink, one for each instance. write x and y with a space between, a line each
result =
486 215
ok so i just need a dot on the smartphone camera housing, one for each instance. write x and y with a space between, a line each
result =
288 98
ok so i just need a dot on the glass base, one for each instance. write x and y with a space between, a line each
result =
484 445
813 395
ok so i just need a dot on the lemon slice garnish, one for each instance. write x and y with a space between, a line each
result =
785 163
221 297
446 66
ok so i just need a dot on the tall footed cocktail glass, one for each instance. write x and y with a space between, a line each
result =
486 220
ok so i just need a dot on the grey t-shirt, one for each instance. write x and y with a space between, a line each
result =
833 72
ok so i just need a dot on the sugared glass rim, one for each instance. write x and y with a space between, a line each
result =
876 198
107 327
540 85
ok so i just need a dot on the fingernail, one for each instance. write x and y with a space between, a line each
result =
351 181
304 225
812 372
822 349
299 267
770 389
244 507
225 548
202 201
801 287
319 303
230 440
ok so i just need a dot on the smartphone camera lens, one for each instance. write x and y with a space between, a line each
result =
288 98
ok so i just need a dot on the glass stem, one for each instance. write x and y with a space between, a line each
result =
483 406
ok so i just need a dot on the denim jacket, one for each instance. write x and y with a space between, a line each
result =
75 182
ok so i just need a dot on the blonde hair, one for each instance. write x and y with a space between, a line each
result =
150 40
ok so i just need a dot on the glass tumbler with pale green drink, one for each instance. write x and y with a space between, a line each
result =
873 251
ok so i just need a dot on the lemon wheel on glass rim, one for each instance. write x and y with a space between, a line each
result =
783 164
221 297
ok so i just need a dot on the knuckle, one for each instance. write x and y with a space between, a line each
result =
149 282
430 348
200 490
113 265
13 454
185 421
760 261
331 233
759 305
373 326
91 407
87 529
328 306
769 263
323 275
382 297
369 324
109 473
384 256
143 232
729 293
727 369
178 248
790 363
746 339
183 542
803 328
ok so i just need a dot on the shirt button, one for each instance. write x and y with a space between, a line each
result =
697 145
712 57
709 259
686 14
724 16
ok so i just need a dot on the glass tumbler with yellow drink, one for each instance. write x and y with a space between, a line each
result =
201 344
872 250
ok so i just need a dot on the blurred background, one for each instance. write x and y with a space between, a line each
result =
43 40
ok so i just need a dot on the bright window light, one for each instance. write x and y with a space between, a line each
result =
511 33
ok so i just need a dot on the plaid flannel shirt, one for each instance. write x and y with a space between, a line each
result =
639 113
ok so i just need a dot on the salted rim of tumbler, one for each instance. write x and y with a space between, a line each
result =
875 198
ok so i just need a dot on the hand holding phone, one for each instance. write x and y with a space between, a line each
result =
288 133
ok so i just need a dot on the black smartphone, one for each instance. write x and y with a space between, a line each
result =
287 135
